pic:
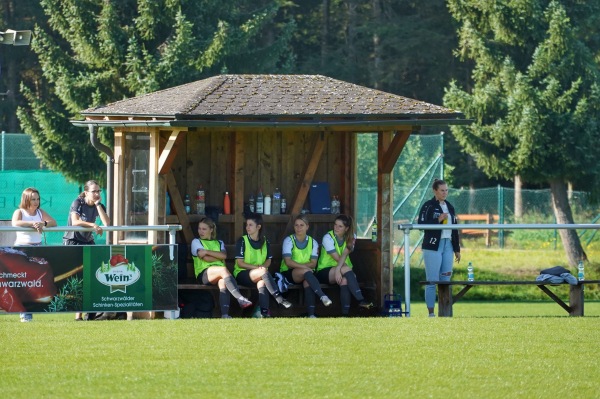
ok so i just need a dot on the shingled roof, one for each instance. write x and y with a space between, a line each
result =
226 97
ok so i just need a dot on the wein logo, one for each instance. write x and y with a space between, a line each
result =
118 274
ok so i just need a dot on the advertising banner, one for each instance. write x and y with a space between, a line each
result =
97 278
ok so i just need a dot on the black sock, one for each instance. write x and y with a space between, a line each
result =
232 287
353 285
313 283
263 300
272 287
224 301
309 300
345 299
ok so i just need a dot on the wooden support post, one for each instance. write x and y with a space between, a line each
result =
177 204
385 210
118 182
445 300
153 184
169 152
576 300
239 163
488 232
308 173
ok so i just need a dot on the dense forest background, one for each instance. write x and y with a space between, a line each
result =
90 52
399 46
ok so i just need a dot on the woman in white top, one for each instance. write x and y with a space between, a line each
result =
29 214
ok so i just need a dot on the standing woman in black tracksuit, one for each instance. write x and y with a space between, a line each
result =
440 247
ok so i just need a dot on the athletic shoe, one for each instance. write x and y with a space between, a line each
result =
244 303
365 305
286 304
431 314
106 316
226 316
312 316
326 301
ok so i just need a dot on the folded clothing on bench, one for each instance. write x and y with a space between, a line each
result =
557 275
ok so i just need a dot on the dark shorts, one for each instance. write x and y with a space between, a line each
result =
70 241
243 278
323 275
288 275
203 277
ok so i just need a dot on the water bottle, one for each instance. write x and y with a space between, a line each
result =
374 230
391 310
470 274
200 201
580 271
251 203
260 202
283 205
267 206
333 212
187 203
276 206
226 204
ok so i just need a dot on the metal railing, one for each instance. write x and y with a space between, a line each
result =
171 229
406 228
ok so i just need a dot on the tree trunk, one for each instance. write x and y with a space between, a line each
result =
518 198
351 39
377 44
562 212
325 34
10 67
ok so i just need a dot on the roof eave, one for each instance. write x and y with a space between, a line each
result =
273 124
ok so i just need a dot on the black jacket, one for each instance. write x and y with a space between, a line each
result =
430 211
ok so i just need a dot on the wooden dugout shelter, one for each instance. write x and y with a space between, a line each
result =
239 133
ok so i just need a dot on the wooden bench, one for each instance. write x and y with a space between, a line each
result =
295 293
446 300
486 218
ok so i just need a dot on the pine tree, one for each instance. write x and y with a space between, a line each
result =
100 51
535 96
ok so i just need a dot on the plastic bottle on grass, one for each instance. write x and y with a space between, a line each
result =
470 273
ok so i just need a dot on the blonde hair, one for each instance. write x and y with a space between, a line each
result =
26 197
303 218
211 225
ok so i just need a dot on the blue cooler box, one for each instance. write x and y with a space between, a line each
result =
319 198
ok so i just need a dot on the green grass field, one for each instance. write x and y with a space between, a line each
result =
488 350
